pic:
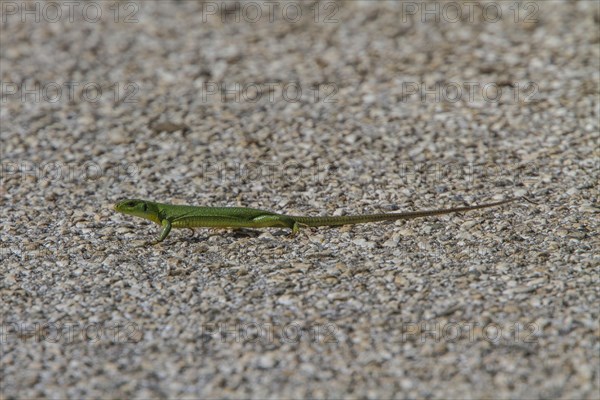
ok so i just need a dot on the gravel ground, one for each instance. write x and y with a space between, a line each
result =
333 108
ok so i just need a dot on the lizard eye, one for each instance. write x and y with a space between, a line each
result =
131 204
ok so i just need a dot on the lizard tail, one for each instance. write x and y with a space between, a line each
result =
359 219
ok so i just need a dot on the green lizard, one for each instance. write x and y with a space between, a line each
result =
179 216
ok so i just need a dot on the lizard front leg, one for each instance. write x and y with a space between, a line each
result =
166 224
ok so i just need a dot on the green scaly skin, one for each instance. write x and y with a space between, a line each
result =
175 216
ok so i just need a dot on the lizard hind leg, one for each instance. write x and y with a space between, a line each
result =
296 228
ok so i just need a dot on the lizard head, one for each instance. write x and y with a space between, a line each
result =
138 208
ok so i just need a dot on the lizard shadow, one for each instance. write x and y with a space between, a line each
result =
235 233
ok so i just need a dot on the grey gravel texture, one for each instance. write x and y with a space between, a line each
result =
350 107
